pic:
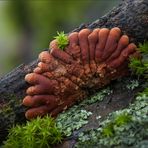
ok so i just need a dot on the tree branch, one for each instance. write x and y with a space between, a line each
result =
131 16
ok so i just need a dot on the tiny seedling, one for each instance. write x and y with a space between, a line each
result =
62 40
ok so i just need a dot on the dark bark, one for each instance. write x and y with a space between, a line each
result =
131 16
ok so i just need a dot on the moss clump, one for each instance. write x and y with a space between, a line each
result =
145 92
40 132
123 119
138 66
144 47
108 130
62 40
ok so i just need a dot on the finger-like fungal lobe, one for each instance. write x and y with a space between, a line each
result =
90 59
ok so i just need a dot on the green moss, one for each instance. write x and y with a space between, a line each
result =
145 92
6 108
144 47
108 130
62 40
123 119
37 133
138 66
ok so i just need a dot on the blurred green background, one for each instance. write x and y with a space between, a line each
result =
27 26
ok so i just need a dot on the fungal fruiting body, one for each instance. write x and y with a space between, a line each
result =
91 60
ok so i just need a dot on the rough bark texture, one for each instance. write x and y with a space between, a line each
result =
131 16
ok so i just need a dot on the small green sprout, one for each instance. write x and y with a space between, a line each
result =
137 66
140 67
108 130
62 40
144 47
123 119
40 132
145 92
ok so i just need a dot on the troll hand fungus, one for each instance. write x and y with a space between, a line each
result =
90 60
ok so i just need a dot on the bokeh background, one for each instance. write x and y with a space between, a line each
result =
27 26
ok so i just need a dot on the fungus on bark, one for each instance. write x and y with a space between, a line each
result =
91 60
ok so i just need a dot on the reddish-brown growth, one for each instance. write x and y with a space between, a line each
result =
91 60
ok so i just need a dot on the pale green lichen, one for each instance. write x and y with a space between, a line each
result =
133 84
76 117
71 120
99 96
127 127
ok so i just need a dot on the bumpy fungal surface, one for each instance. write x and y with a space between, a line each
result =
91 60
